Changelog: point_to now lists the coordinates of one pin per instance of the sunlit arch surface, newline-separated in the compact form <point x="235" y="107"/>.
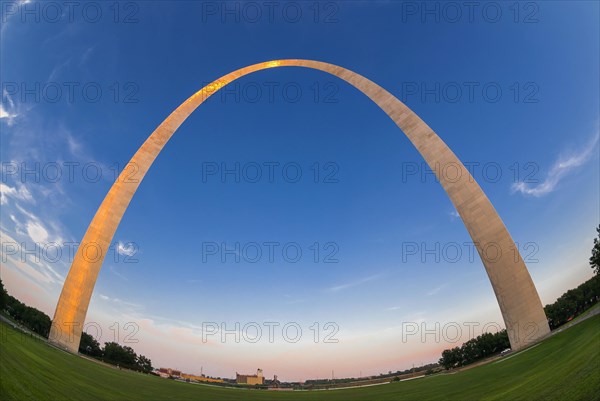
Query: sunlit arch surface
<point x="517" y="296"/>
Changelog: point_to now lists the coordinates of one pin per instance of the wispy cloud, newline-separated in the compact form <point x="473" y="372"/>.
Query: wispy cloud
<point x="435" y="290"/>
<point x="26" y="223"/>
<point x="561" y="168"/>
<point x="7" y="113"/>
<point x="120" y="302"/>
<point x="345" y="286"/>
<point x="116" y="273"/>
<point x="7" y="16"/>
<point x="18" y="193"/>
<point x="31" y="265"/>
<point x="453" y="215"/>
<point x="128" y="249"/>
<point x="86" y="55"/>
<point x="37" y="232"/>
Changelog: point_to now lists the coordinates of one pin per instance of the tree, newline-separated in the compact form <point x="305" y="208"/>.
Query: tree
<point x="126" y="357"/>
<point x="595" y="258"/>
<point x="3" y="296"/>
<point x="573" y="302"/>
<point x="119" y="355"/>
<point x="451" y="358"/>
<point x="39" y="322"/>
<point x="35" y="320"/>
<point x="89" y="346"/>
<point x="144" y="364"/>
<point x="476" y="348"/>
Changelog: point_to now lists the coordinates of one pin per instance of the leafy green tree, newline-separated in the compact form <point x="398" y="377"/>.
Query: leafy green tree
<point x="470" y="351"/>
<point x="35" y="320"/>
<point x="595" y="258"/>
<point x="451" y="358"/>
<point x="144" y="364"/>
<point x="40" y="323"/>
<point x="476" y="348"/>
<point x="573" y="302"/>
<point x="126" y="357"/>
<point x="119" y="355"/>
<point x="3" y="296"/>
<point x="89" y="346"/>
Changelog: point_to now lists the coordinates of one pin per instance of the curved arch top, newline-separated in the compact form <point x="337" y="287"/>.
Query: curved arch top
<point x="516" y="294"/>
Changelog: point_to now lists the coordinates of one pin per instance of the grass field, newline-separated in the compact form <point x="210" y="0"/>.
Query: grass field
<point x="564" y="367"/>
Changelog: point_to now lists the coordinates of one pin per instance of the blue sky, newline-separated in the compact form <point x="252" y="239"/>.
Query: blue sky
<point x="515" y="95"/>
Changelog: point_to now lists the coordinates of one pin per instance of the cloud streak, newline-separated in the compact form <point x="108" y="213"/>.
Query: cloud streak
<point x="345" y="286"/>
<point x="7" y="113"/>
<point x="18" y="193"/>
<point x="126" y="249"/>
<point x="437" y="289"/>
<point x="561" y="168"/>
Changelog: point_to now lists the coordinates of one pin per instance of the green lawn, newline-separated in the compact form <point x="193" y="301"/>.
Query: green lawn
<point x="564" y="367"/>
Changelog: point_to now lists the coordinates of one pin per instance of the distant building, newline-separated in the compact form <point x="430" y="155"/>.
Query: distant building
<point x="166" y="372"/>
<point x="178" y="374"/>
<point x="200" y="378"/>
<point x="251" y="380"/>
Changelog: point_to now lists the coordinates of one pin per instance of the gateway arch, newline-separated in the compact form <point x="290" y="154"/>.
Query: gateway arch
<point x="517" y="296"/>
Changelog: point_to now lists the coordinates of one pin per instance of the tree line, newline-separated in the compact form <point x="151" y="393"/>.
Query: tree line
<point x="573" y="302"/>
<point x="577" y="300"/>
<point x="31" y="318"/>
<point x="568" y="306"/>
<point x="114" y="353"/>
<point x="475" y="349"/>
<point x="40" y="323"/>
